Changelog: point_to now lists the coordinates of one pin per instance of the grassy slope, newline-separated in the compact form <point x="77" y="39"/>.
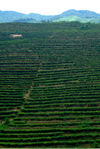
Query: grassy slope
<point x="76" y="18"/>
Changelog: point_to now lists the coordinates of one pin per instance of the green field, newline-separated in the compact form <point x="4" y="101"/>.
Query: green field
<point x="50" y="85"/>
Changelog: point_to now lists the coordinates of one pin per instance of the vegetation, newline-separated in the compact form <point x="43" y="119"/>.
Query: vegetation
<point x="50" y="85"/>
<point x="68" y="16"/>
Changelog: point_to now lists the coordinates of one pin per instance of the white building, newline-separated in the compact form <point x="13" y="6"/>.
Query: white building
<point x="16" y="35"/>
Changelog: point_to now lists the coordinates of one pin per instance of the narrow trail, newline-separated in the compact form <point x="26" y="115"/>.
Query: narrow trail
<point x="26" y="96"/>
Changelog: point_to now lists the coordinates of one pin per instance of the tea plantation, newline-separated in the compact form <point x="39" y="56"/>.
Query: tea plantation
<point x="50" y="85"/>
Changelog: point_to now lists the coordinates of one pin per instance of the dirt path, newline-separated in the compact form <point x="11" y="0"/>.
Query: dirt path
<point x="27" y="95"/>
<point x="6" y="122"/>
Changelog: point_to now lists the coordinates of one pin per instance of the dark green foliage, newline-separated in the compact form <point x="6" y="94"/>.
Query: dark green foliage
<point x="50" y="85"/>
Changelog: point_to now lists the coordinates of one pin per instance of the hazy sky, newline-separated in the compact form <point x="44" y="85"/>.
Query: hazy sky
<point x="48" y="7"/>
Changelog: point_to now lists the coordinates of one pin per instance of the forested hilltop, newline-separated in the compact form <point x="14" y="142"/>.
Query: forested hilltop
<point x="50" y="85"/>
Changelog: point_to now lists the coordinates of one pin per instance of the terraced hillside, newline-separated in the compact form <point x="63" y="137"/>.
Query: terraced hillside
<point x="50" y="85"/>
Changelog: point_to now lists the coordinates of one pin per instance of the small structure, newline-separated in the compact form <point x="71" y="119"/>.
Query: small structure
<point x="16" y="35"/>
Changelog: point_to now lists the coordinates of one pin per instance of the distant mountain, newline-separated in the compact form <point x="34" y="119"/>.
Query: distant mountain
<point x="10" y="16"/>
<point x="81" y="16"/>
<point x="70" y="15"/>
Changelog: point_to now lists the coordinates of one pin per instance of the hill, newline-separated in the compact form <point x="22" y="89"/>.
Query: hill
<point x="81" y="16"/>
<point x="10" y="16"/>
<point x="70" y="15"/>
<point x="50" y="85"/>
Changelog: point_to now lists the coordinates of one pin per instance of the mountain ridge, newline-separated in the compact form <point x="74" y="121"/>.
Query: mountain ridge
<point x="69" y="15"/>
